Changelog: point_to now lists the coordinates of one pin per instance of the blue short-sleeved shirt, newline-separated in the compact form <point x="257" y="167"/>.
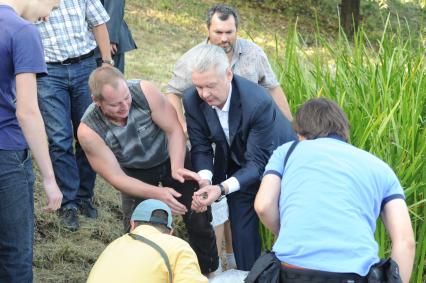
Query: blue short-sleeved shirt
<point x="21" y="51"/>
<point x="331" y="196"/>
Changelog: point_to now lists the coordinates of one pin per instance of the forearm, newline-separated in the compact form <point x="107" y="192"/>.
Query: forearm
<point x="32" y="126"/>
<point x="267" y="209"/>
<point x="270" y="218"/>
<point x="281" y="100"/>
<point x="177" y="149"/>
<point x="176" y="101"/>
<point x="100" y="33"/>
<point x="403" y="254"/>
<point x="397" y="221"/>
<point x="31" y="123"/>
<point x="132" y="186"/>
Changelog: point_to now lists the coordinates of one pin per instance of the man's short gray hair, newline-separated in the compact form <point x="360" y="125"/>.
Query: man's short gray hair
<point x="207" y="57"/>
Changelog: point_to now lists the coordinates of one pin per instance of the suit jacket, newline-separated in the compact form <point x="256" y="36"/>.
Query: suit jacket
<point x="118" y="30"/>
<point x="256" y="128"/>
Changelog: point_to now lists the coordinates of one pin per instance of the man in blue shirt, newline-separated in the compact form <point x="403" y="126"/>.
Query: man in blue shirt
<point x="21" y="126"/>
<point x="323" y="203"/>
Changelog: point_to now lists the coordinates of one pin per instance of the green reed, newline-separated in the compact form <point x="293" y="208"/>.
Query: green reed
<point x="382" y="88"/>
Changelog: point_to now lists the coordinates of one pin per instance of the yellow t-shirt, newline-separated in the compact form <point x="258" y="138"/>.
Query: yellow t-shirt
<point x="127" y="260"/>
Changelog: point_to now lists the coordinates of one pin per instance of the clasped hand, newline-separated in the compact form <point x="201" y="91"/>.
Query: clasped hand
<point x="205" y="196"/>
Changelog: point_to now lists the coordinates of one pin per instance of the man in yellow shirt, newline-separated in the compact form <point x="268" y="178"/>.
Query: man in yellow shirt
<point x="148" y="252"/>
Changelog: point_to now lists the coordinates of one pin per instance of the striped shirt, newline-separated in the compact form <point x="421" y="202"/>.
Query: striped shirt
<point x="67" y="33"/>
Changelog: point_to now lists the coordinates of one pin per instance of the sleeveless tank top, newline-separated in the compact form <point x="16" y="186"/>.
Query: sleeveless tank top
<point x="139" y="144"/>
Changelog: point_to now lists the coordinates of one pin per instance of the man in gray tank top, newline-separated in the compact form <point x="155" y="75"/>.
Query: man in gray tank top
<point x="132" y="138"/>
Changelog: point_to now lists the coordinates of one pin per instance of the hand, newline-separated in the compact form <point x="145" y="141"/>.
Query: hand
<point x="53" y="194"/>
<point x="113" y="48"/>
<point x="203" y="183"/>
<point x="183" y="174"/>
<point x="204" y="197"/>
<point x="168" y="196"/>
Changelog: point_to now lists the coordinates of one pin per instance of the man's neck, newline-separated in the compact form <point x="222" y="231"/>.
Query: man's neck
<point x="15" y="5"/>
<point x="230" y="55"/>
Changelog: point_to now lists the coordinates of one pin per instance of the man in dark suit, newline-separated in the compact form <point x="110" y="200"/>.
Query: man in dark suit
<point x="245" y="125"/>
<point x="119" y="33"/>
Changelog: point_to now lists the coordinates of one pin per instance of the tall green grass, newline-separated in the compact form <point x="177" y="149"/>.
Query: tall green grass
<point x="382" y="88"/>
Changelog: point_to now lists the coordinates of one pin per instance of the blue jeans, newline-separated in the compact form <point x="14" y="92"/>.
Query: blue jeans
<point x="16" y="216"/>
<point x="63" y="97"/>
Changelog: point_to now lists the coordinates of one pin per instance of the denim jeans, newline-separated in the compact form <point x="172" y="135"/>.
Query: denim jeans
<point x="200" y="232"/>
<point x="16" y="216"/>
<point x="63" y="97"/>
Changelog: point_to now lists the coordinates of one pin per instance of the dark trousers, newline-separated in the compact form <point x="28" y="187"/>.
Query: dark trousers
<point x="244" y="223"/>
<point x="200" y="232"/>
<point x="245" y="229"/>
<point x="292" y="275"/>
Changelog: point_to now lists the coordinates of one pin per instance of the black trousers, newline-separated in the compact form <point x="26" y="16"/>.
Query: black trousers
<point x="200" y="232"/>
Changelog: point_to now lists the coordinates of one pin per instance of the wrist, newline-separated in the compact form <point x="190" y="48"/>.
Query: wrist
<point x="222" y="192"/>
<point x="108" y="61"/>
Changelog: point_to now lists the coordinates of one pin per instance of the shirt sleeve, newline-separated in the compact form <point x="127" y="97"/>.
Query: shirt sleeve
<point x="276" y="162"/>
<point x="95" y="13"/>
<point x="181" y="77"/>
<point x="393" y="189"/>
<point x="267" y="76"/>
<point x="28" y="54"/>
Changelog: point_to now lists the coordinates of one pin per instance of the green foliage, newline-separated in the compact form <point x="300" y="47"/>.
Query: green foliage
<point x="382" y="90"/>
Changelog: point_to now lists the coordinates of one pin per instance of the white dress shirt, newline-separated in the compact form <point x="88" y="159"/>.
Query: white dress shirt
<point x="223" y="115"/>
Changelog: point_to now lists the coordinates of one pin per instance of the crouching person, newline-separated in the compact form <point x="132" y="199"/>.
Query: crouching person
<point x="149" y="253"/>
<point x="322" y="199"/>
<point x="132" y="138"/>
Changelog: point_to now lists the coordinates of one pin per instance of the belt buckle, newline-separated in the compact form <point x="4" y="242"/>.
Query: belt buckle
<point x="65" y="64"/>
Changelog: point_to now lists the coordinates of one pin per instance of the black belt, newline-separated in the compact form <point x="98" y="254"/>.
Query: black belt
<point x="74" y="60"/>
<point x="293" y="275"/>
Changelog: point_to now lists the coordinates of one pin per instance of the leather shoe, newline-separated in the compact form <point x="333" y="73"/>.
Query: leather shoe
<point x="87" y="209"/>
<point x="69" y="218"/>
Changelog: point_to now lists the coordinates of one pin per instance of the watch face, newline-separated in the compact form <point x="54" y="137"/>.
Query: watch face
<point x="111" y="62"/>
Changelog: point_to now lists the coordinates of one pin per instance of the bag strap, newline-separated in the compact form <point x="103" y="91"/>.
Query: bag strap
<point x="290" y="150"/>
<point x="158" y="249"/>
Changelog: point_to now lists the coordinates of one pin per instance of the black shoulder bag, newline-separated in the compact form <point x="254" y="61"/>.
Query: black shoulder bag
<point x="267" y="267"/>
<point x="158" y="249"/>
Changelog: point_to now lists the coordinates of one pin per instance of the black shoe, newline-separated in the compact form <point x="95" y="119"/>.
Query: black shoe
<point x="87" y="209"/>
<point x="69" y="218"/>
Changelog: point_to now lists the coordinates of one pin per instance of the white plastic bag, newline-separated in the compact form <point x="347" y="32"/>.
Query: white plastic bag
<point x="229" y="276"/>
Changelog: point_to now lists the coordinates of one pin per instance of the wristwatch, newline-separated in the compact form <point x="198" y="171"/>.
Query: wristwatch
<point x="108" y="61"/>
<point x="222" y="192"/>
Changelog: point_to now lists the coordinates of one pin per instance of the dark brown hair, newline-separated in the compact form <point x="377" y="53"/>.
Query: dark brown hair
<point x="223" y="12"/>
<point x="320" y="117"/>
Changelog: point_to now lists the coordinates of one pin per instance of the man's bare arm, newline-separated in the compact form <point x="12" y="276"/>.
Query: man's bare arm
<point x="164" y="115"/>
<point x="281" y="100"/>
<point x="32" y="126"/>
<point x="100" y="33"/>
<point x="104" y="162"/>
<point x="176" y="101"/>
<point x="266" y="202"/>
<point x="397" y="221"/>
